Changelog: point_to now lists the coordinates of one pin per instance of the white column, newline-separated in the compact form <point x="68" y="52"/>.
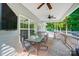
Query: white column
<point x="66" y="28"/>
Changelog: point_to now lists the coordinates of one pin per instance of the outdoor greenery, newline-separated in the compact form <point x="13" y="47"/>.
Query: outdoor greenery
<point x="24" y="25"/>
<point x="70" y="22"/>
<point x="32" y="26"/>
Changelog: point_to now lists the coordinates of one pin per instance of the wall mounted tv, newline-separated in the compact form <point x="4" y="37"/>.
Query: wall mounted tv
<point x="9" y="18"/>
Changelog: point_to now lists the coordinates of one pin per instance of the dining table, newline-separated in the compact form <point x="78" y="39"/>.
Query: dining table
<point x="36" y="40"/>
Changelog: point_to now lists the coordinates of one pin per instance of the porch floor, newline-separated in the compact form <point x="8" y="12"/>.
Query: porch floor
<point x="55" y="48"/>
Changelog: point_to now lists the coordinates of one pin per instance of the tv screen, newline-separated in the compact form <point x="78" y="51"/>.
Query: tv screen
<point x="9" y="18"/>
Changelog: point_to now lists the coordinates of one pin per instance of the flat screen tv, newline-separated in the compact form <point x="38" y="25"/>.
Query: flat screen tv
<point x="9" y="18"/>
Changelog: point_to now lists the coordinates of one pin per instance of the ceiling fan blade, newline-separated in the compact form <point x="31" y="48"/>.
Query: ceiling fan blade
<point x="40" y="5"/>
<point x="49" y="6"/>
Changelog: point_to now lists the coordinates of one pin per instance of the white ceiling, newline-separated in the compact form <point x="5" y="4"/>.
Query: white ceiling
<point x="59" y="9"/>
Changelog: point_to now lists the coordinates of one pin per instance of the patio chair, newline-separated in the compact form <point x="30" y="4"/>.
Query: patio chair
<point x="44" y="42"/>
<point x="45" y="38"/>
<point x="27" y="46"/>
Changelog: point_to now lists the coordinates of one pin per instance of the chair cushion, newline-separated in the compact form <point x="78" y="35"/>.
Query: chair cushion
<point x="27" y="44"/>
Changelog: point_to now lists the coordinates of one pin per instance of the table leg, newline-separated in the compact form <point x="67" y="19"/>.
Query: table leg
<point x="38" y="47"/>
<point x="36" y="51"/>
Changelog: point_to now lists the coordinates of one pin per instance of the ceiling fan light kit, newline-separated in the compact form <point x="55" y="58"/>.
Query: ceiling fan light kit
<point x="51" y="17"/>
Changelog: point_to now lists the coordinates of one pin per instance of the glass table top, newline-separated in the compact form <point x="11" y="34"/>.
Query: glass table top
<point x="36" y="38"/>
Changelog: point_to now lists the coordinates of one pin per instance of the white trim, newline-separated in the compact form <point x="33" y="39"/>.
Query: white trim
<point x="28" y="22"/>
<point x="18" y="26"/>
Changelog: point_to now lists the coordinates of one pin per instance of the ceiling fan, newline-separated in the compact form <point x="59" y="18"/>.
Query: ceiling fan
<point x="51" y="17"/>
<point x="48" y="5"/>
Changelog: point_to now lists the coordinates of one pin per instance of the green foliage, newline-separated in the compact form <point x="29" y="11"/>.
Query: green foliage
<point x="32" y="26"/>
<point x="72" y="22"/>
<point x="23" y="25"/>
<point x="50" y="26"/>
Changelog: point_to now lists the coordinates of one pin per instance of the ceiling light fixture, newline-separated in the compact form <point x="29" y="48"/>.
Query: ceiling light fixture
<point x="51" y="16"/>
